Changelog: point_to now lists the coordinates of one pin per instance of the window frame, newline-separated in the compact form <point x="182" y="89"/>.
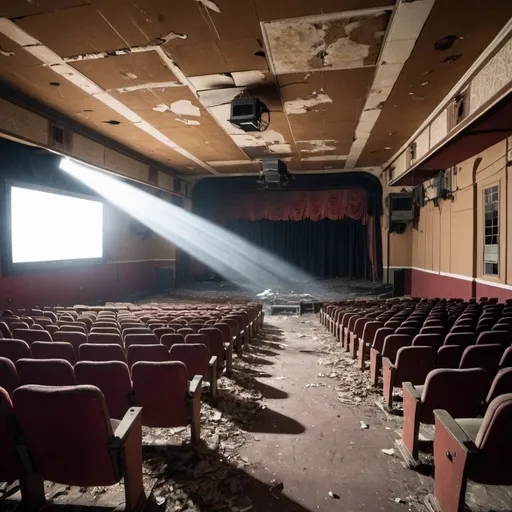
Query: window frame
<point x="492" y="207"/>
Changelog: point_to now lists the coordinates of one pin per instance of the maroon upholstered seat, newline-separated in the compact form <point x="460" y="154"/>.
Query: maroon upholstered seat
<point x="428" y="340"/>
<point x="483" y="450"/>
<point x="71" y="441"/>
<point x="501" y="385"/>
<point x="101" y="352"/>
<point x="172" y="339"/>
<point x="217" y="347"/>
<point x="9" y="379"/>
<point x="5" y="331"/>
<point x="14" y="349"/>
<point x="482" y="356"/>
<point x="160" y="331"/>
<point x="506" y="358"/>
<point x="31" y="335"/>
<point x="463" y="339"/>
<point x="105" y="330"/>
<point x="53" y="350"/>
<point x="186" y="330"/>
<point x="45" y="372"/>
<point x="113" y="380"/>
<point x="366" y="340"/>
<point x="136" y="330"/>
<point x="376" y="352"/>
<point x="11" y="467"/>
<point x="459" y="391"/>
<point x="75" y="338"/>
<point x="141" y="339"/>
<point x="109" y="339"/>
<point x="449" y="356"/>
<point x="155" y="353"/>
<point x="494" y="337"/>
<point x="74" y="327"/>
<point x="177" y="403"/>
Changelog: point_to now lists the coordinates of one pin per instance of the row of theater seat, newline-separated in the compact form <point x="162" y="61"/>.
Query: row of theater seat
<point x="453" y="360"/>
<point x="80" y="423"/>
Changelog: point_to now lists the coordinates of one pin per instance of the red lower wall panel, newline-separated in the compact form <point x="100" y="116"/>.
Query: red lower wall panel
<point x="113" y="281"/>
<point x="486" y="290"/>
<point x="425" y="284"/>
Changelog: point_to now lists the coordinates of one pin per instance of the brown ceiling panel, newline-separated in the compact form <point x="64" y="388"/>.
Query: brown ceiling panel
<point x="281" y="9"/>
<point x="430" y="73"/>
<point x="143" y="21"/>
<point x="236" y="19"/>
<point x="73" y="31"/>
<point x="218" y="57"/>
<point x="126" y="70"/>
<point x="19" y="8"/>
<point x="318" y="165"/>
<point x="14" y="56"/>
<point x="238" y="168"/>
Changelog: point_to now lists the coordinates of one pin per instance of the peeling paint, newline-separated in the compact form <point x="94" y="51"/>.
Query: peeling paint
<point x="248" y="78"/>
<point x="346" y="53"/>
<point x="169" y="37"/>
<point x="130" y="76"/>
<point x="188" y="122"/>
<point x="185" y="108"/>
<point x="210" y="5"/>
<point x="318" y="146"/>
<point x="283" y="149"/>
<point x="271" y="137"/>
<point x="154" y="85"/>
<point x="5" y="53"/>
<point x="301" y="106"/>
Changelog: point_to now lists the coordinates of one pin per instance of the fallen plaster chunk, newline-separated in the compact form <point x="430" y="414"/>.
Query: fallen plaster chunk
<point x="280" y="148"/>
<point x="169" y="37"/>
<point x="388" y="451"/>
<point x="301" y="106"/>
<point x="210" y="5"/>
<point x="364" y="425"/>
<point x="180" y="107"/>
<point x="188" y="122"/>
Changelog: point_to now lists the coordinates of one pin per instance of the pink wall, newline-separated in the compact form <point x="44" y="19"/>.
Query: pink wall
<point x="113" y="281"/>
<point x="485" y="290"/>
<point x="426" y="284"/>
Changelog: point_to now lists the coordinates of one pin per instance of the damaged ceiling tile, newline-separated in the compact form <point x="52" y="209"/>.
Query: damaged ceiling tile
<point x="317" y="146"/>
<point x="206" y="82"/>
<point x="188" y="122"/>
<point x="180" y="107"/>
<point x="328" y="42"/>
<point x="249" y="78"/>
<point x="301" y="106"/>
<point x="210" y="5"/>
<point x="216" y="97"/>
<point x="281" y="149"/>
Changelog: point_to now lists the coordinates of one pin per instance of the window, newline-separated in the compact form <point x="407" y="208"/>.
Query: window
<point x="460" y="108"/>
<point x="491" y="231"/>
<point x="411" y="154"/>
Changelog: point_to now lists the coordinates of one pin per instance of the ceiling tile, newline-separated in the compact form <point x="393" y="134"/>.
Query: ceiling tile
<point x="17" y="9"/>
<point x="126" y="70"/>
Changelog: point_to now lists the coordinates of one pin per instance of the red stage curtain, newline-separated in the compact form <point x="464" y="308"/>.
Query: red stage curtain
<point x="348" y="203"/>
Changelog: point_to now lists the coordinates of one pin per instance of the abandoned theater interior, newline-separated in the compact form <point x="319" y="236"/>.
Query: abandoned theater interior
<point x="254" y="255"/>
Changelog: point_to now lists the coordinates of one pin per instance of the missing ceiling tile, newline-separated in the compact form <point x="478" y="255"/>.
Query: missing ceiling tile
<point x="113" y="122"/>
<point x="445" y="43"/>
<point x="451" y="58"/>
<point x="55" y="84"/>
<point x="260" y="53"/>
<point x="301" y="106"/>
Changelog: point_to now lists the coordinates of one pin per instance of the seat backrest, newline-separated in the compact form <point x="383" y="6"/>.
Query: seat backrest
<point x="380" y="336"/>
<point x="74" y="327"/>
<point x="233" y="324"/>
<point x="5" y="331"/>
<point x="155" y="353"/>
<point x="449" y="356"/>
<point x="482" y="356"/>
<point x="494" y="337"/>
<point x="68" y="432"/>
<point x="194" y="356"/>
<point x="136" y="330"/>
<point x="172" y="339"/>
<point x="463" y="339"/>
<point x="370" y="328"/>
<point x="227" y="333"/>
<point x="185" y="331"/>
<point x="31" y="335"/>
<point x="428" y="340"/>
<point x="19" y="325"/>
<point x="75" y="338"/>
<point x="393" y="343"/>
<point x="113" y="380"/>
<point x="506" y="358"/>
<point x="11" y="467"/>
<point x="216" y="342"/>
<point x="9" y="379"/>
<point x="413" y="364"/>
<point x="434" y="329"/>
<point x="160" y="331"/>
<point x="53" y="350"/>
<point x="460" y="392"/>
<point x="45" y="372"/>
<point x="101" y="338"/>
<point x="141" y="339"/>
<point x="198" y="338"/>
<point x="112" y="324"/>
<point x="161" y="389"/>
<point x="14" y="349"/>
<point x="106" y="330"/>
<point x="501" y="385"/>
<point x="495" y="444"/>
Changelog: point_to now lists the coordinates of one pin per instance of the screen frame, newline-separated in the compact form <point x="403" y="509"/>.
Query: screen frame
<point x="10" y="268"/>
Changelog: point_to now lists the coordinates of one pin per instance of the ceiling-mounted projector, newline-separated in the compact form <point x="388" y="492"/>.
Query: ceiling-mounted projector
<point x="247" y="114"/>
<point x="274" y="172"/>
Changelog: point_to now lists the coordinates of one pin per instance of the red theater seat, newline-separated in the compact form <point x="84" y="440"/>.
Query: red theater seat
<point x="154" y="353"/>
<point x="140" y="339"/>
<point x="5" y="332"/>
<point x="14" y="349"/>
<point x="101" y="352"/>
<point x="113" y="380"/>
<point x="53" y="350"/>
<point x="9" y="379"/>
<point x="31" y="335"/>
<point x="223" y="351"/>
<point x="46" y="372"/>
<point x="72" y="441"/>
<point x="109" y="339"/>
<point x="75" y="338"/>
<point x="177" y="402"/>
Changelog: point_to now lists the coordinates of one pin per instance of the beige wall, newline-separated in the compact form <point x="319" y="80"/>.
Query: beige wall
<point x="444" y="239"/>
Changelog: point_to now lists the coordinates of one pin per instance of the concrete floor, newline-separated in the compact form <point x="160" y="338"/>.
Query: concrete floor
<point x="312" y="443"/>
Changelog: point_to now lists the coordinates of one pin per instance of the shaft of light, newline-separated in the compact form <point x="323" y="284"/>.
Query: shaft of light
<point x="228" y="254"/>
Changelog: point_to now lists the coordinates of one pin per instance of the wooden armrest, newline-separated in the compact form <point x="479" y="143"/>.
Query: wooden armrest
<point x="124" y="428"/>
<point x="386" y="362"/>
<point x="213" y="361"/>
<point x="408" y="387"/>
<point x="455" y="431"/>
<point x="194" y="386"/>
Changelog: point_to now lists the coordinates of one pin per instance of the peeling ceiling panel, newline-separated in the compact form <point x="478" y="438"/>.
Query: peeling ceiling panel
<point x="73" y="31"/>
<point x="430" y="73"/>
<point x="13" y="55"/>
<point x="277" y="10"/>
<point x="330" y="42"/>
<point x="217" y="81"/>
<point x="295" y="164"/>
<point x="133" y="69"/>
<point x="217" y="97"/>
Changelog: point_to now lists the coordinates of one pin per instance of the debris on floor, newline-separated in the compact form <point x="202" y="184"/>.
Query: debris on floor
<point x="388" y="451"/>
